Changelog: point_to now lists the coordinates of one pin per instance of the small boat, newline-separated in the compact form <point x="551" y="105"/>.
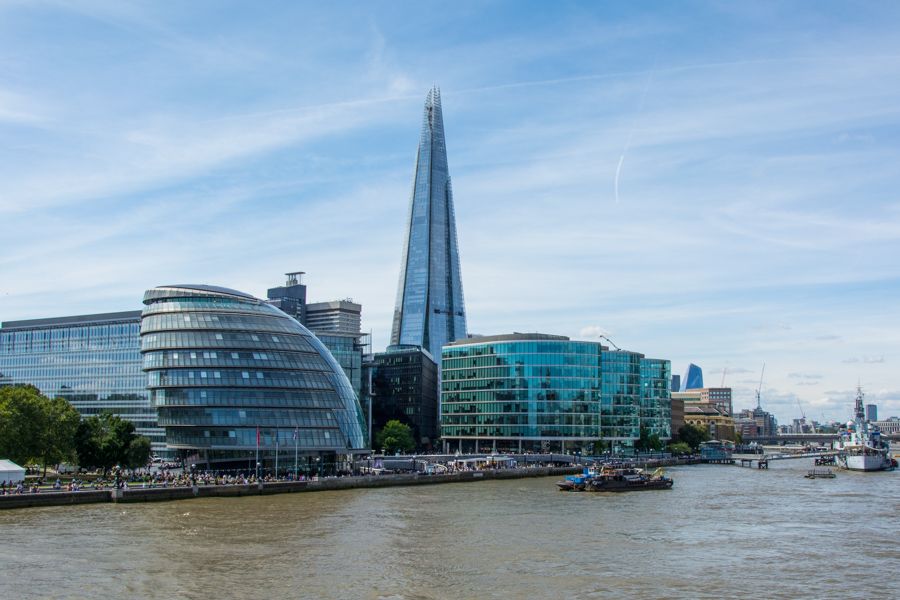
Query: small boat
<point x="615" y="478"/>
<point x="820" y="474"/>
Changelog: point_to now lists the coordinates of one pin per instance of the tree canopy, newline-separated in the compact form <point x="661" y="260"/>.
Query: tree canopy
<point x="106" y="440"/>
<point x="693" y="436"/>
<point x="34" y="428"/>
<point x="648" y="442"/>
<point x="395" y="436"/>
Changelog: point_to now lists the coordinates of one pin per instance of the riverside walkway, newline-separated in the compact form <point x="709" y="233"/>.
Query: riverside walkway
<point x="53" y="498"/>
<point x="261" y="488"/>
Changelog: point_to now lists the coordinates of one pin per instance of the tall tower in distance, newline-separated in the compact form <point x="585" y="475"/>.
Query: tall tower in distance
<point x="430" y="311"/>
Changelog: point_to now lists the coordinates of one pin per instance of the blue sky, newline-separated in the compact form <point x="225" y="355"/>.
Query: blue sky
<point x="755" y="217"/>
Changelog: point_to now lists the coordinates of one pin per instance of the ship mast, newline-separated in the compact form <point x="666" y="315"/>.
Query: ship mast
<point x="860" y="410"/>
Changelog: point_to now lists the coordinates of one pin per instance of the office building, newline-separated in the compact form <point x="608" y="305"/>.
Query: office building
<point x="693" y="378"/>
<point x="756" y="422"/>
<point x="404" y="383"/>
<point x="871" y="412"/>
<point x="290" y="298"/>
<point x="337" y="315"/>
<point x="718" y="397"/>
<point x="93" y="361"/>
<point x="676" y="383"/>
<point x="230" y="373"/>
<point x="429" y="311"/>
<point x="537" y="392"/>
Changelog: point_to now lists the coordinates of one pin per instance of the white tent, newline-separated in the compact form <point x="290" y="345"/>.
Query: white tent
<point x="10" y="472"/>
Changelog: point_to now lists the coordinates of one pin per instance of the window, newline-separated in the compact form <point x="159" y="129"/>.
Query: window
<point x="245" y="375"/>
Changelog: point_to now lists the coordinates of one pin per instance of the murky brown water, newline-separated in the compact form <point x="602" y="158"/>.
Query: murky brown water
<point x="721" y="532"/>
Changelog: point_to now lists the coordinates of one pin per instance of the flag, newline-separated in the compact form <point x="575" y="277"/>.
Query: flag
<point x="257" y="436"/>
<point x="296" y="431"/>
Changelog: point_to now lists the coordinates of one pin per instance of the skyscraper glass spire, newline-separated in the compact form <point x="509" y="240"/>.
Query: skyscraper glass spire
<point x="430" y="311"/>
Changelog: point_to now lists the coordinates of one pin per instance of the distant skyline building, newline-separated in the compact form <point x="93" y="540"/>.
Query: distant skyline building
<point x="871" y="412"/>
<point x="693" y="378"/>
<point x="344" y="316"/>
<point x="93" y="361"/>
<point x="676" y="383"/>
<point x="429" y="311"/>
<point x="230" y="373"/>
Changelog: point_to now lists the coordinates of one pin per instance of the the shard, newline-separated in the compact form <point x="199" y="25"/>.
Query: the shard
<point x="430" y="311"/>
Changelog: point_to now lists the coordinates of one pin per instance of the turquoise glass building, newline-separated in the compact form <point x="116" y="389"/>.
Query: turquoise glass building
<point x="229" y="373"/>
<point x="538" y="392"/>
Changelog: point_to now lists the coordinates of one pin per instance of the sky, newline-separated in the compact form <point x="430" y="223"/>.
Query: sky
<point x="707" y="182"/>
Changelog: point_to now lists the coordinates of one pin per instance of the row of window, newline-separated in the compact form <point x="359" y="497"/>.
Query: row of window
<point x="244" y="417"/>
<point x="231" y="322"/>
<point x="289" y="379"/>
<point x="592" y="432"/>
<point x="218" y="358"/>
<point x="246" y="398"/>
<point x="246" y="438"/>
<point x="226" y="339"/>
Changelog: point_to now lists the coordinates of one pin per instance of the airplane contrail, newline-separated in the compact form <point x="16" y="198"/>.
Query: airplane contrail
<point x="637" y="115"/>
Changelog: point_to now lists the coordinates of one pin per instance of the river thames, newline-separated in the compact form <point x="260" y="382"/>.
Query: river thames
<point x="722" y="531"/>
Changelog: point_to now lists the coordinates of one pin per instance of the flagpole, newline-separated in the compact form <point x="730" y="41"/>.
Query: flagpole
<point x="276" y="453"/>
<point x="296" y="441"/>
<point x="257" y="452"/>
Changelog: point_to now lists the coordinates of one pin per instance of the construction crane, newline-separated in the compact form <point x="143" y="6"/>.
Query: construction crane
<point x="800" y="406"/>
<point x="611" y="343"/>
<point x="759" y="389"/>
<point x="724" y="370"/>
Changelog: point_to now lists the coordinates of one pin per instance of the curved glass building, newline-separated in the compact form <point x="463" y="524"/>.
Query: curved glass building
<point x="543" y="392"/>
<point x="229" y="373"/>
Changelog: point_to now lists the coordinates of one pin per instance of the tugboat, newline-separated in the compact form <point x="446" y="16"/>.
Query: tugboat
<point x="615" y="478"/>
<point x="860" y="447"/>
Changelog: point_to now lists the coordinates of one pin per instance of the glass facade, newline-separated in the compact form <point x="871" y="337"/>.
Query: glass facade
<point x="93" y="361"/>
<point x="693" y="378"/>
<point x="405" y="388"/>
<point x="656" y="406"/>
<point x="429" y="310"/>
<point x="228" y="372"/>
<point x="534" y="390"/>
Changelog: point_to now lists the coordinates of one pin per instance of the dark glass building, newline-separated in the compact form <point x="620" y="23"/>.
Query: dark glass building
<point x="430" y="310"/>
<point x="93" y="361"/>
<point x="544" y="392"/>
<point x="404" y="384"/>
<point x="229" y="373"/>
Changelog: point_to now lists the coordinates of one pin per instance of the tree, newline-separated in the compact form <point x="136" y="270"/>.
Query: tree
<point x="693" y="436"/>
<point x="58" y="443"/>
<point x="103" y="441"/>
<point x="138" y="453"/>
<point x="679" y="448"/>
<point x="648" y="442"/>
<point x="395" y="436"/>
<point x="22" y="421"/>
<point x="600" y="446"/>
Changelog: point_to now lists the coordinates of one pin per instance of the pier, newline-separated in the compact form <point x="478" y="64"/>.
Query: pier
<point x="762" y="460"/>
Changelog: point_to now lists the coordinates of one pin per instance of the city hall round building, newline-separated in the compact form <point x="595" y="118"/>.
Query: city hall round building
<point x="229" y="373"/>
